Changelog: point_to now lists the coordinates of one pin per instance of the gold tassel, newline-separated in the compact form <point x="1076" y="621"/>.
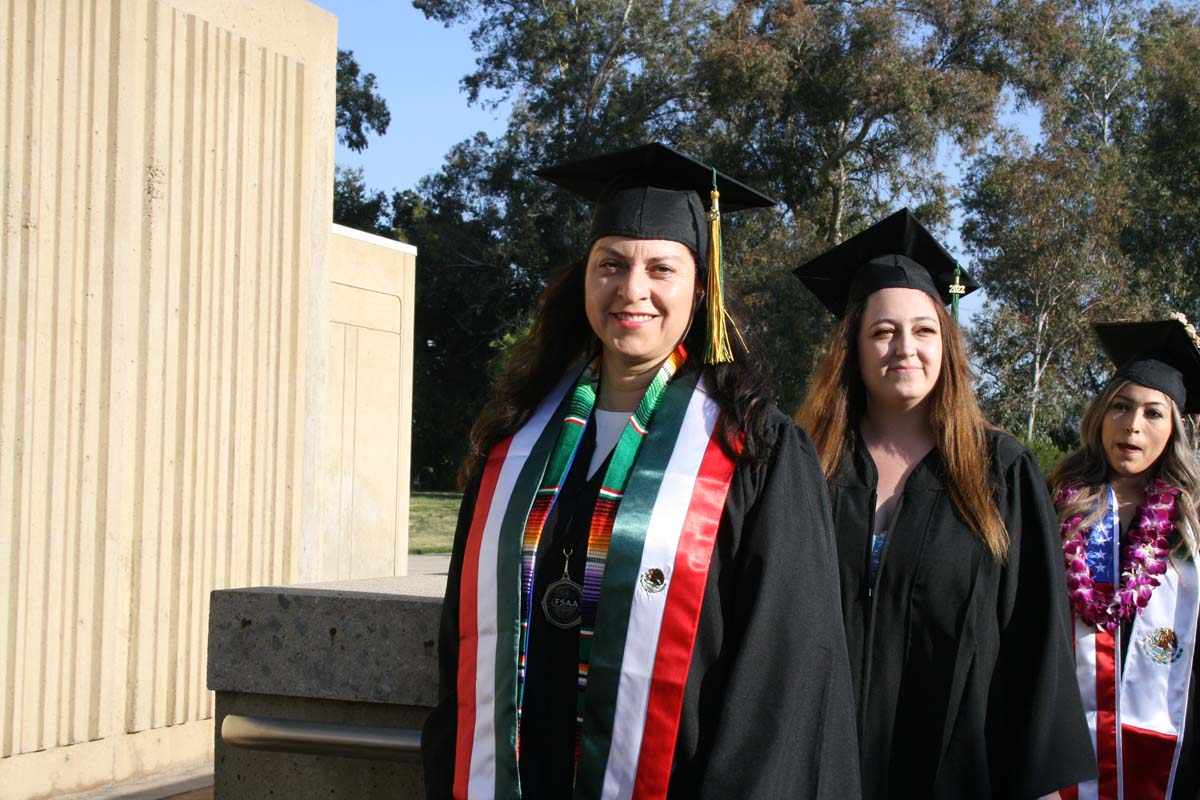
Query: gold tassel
<point x="719" y="351"/>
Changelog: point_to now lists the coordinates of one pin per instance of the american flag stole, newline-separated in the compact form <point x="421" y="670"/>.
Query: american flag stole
<point x="1135" y="701"/>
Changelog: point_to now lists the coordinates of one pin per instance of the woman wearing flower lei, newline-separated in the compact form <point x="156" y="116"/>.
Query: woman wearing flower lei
<point x="1126" y="503"/>
<point x="950" y="566"/>
<point x="642" y="596"/>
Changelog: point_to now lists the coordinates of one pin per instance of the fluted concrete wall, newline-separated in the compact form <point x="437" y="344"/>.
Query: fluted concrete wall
<point x="164" y="197"/>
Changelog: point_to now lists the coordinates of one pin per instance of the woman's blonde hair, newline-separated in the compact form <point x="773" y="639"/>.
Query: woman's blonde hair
<point x="1088" y="467"/>
<point x="836" y="401"/>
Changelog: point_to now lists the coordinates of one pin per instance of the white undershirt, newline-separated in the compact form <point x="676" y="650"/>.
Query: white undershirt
<point x="609" y="425"/>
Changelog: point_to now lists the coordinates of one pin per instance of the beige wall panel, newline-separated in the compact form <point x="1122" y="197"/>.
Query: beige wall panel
<point x="378" y="526"/>
<point x="323" y="560"/>
<point x="165" y="174"/>
<point x="369" y="409"/>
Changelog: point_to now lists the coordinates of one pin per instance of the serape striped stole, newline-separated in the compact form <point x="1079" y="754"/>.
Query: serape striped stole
<point x="1135" y="702"/>
<point x="644" y="630"/>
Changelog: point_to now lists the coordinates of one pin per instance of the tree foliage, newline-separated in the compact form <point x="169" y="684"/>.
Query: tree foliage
<point x="1096" y="104"/>
<point x="470" y="294"/>
<point x="1164" y="235"/>
<point x="360" y="108"/>
<point x="838" y="109"/>
<point x="1044" y="227"/>
<point x="356" y="206"/>
<point x="1094" y="223"/>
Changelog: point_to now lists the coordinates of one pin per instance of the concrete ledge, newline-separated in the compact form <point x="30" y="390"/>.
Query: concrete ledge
<point x="372" y="640"/>
<point x="360" y="652"/>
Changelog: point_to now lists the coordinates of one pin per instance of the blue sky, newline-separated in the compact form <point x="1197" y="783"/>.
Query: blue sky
<point x="418" y="64"/>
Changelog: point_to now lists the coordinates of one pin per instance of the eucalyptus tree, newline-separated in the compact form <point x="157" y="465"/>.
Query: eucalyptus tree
<point x="1043" y="225"/>
<point x="1163" y="236"/>
<point x="843" y="104"/>
<point x="1087" y="225"/>
<point x="838" y="110"/>
<point x="1096" y="102"/>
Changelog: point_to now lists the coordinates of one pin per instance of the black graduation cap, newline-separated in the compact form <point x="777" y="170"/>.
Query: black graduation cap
<point x="897" y="251"/>
<point x="657" y="192"/>
<point x="652" y="192"/>
<point x="1160" y="354"/>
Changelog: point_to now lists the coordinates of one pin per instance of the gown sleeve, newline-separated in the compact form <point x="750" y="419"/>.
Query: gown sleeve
<point x="1037" y="733"/>
<point x="784" y="725"/>
<point x="441" y="726"/>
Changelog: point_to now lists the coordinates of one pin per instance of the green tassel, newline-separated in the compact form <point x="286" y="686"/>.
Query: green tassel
<point x="956" y="291"/>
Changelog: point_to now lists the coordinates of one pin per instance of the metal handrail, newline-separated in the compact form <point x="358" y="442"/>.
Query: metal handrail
<point x="321" y="738"/>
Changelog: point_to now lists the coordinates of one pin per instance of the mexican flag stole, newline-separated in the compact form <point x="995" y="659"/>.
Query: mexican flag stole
<point x="1136" y="701"/>
<point x="665" y="528"/>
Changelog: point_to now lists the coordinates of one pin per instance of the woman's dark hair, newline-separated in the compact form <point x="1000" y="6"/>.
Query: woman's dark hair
<point x="560" y="337"/>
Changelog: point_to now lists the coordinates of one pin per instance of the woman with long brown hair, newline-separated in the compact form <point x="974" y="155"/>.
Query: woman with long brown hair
<point x="947" y="549"/>
<point x="1126" y="504"/>
<point x="623" y="614"/>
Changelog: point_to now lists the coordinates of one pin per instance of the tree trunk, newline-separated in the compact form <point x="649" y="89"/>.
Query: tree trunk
<point x="1032" y="410"/>
<point x="1038" y="369"/>
<point x="835" y="216"/>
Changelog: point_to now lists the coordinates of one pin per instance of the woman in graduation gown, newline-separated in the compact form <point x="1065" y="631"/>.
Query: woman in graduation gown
<point x="641" y="606"/>
<point x="948" y="551"/>
<point x="1126" y="502"/>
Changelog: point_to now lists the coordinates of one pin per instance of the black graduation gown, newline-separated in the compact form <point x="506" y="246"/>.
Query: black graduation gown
<point x="962" y="667"/>
<point x="767" y="708"/>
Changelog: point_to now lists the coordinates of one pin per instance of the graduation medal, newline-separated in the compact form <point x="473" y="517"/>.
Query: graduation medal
<point x="562" y="602"/>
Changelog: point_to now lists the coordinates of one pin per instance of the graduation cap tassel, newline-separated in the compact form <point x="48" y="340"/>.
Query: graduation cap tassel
<point x="719" y="351"/>
<point x="957" y="289"/>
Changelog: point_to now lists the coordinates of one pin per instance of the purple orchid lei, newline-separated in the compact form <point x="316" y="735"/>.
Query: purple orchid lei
<point x="1141" y="560"/>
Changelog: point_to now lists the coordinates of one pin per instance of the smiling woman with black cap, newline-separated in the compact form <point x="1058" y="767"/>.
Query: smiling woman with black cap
<point x="950" y="568"/>
<point x="642" y="596"/>
<point x="1127" y="506"/>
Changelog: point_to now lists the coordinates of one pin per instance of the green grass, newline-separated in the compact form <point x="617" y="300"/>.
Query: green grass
<point x="431" y="520"/>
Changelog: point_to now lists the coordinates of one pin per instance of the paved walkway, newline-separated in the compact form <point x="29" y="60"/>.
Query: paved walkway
<point x="195" y="783"/>
<point x="436" y="564"/>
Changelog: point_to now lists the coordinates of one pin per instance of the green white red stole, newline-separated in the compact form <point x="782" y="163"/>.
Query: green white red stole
<point x="661" y="529"/>
<point x="1135" y="702"/>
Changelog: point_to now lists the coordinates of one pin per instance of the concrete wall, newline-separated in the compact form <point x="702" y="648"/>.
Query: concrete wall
<point x="165" y="186"/>
<point x="367" y="436"/>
